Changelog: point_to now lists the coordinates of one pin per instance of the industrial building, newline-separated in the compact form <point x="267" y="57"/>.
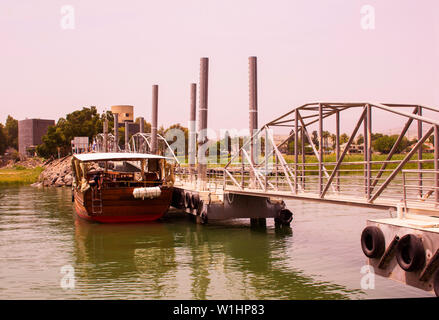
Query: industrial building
<point x="125" y="113"/>
<point x="30" y="133"/>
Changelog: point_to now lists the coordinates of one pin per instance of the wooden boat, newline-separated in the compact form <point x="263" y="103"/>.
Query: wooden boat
<point x="111" y="195"/>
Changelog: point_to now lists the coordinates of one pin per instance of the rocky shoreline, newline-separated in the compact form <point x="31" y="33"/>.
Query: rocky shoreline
<point x="57" y="173"/>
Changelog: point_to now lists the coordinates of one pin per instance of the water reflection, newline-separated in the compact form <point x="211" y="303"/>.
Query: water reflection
<point x="179" y="259"/>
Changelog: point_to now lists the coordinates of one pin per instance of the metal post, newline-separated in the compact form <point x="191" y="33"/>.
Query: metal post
<point x="116" y="132"/>
<point x="365" y="161"/>
<point x="436" y="164"/>
<point x="337" y="146"/>
<point x="277" y="174"/>
<point x="105" y="125"/>
<point x="192" y="131"/>
<point x="320" y="148"/>
<point x="253" y="123"/>
<point x="253" y="110"/>
<point x="127" y="129"/>
<point x="141" y="125"/>
<point x="302" y="134"/>
<point x="296" y="147"/>
<point x="202" y="138"/>
<point x="368" y="149"/>
<point x="266" y="151"/>
<point x="420" y="153"/>
<point x="242" y="170"/>
<point x="154" y="114"/>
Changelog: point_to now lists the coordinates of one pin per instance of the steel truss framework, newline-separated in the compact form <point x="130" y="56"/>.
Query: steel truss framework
<point x="325" y="179"/>
<point x="141" y="143"/>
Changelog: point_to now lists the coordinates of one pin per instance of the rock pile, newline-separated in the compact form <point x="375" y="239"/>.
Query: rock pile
<point x="28" y="163"/>
<point x="57" y="173"/>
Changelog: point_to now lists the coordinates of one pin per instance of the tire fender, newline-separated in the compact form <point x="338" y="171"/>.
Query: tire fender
<point x="410" y="253"/>
<point x="373" y="243"/>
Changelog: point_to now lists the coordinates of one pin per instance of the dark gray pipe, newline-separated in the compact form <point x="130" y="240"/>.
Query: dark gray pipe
<point x="253" y="102"/>
<point x="253" y="124"/>
<point x="154" y="120"/>
<point x="141" y="125"/>
<point x="202" y="138"/>
<point x="192" y="128"/>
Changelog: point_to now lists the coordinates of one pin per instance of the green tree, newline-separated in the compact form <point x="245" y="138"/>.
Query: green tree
<point x="385" y="144"/>
<point x="326" y="135"/>
<point x="315" y="138"/>
<point x="3" y="143"/>
<point x="344" y="138"/>
<point x="376" y="136"/>
<point x="80" y="123"/>
<point x="51" y="141"/>
<point x="11" y="131"/>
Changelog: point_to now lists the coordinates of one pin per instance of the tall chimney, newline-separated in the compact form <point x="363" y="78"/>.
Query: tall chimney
<point x="116" y="132"/>
<point x="192" y="127"/>
<point x="253" y="124"/>
<point x="253" y="103"/>
<point x="141" y="125"/>
<point x="155" y="96"/>
<point x="202" y="136"/>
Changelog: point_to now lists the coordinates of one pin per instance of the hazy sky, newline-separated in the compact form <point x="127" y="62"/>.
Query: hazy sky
<point x="308" y="50"/>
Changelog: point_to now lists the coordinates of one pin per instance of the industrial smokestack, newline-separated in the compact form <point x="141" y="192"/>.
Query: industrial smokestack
<point x="154" y="120"/>
<point x="141" y="125"/>
<point x="192" y="127"/>
<point x="202" y="136"/>
<point x="253" y="123"/>
<point x="253" y="103"/>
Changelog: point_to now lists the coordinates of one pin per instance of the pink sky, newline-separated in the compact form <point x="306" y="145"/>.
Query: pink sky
<point x="307" y="51"/>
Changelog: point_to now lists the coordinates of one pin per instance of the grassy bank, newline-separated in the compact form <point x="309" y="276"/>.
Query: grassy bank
<point x="355" y="166"/>
<point x="19" y="175"/>
<point x="311" y="159"/>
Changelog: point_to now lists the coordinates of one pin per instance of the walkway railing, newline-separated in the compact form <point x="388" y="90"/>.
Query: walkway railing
<point x="369" y="179"/>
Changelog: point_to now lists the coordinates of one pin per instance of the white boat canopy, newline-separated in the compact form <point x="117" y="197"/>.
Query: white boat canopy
<point x="116" y="156"/>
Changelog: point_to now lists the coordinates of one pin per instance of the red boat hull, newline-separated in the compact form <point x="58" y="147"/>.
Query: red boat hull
<point x="120" y="206"/>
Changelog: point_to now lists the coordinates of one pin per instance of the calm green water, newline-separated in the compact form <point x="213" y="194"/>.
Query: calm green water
<point x="318" y="257"/>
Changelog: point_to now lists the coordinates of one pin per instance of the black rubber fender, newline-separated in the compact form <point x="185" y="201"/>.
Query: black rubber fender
<point x="284" y="217"/>
<point x="187" y="200"/>
<point x="176" y="196"/>
<point x="181" y="199"/>
<point x="410" y="253"/>
<point x="373" y="242"/>
<point x="203" y="215"/>
<point x="436" y="284"/>
<point x="195" y="200"/>
<point x="199" y="208"/>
